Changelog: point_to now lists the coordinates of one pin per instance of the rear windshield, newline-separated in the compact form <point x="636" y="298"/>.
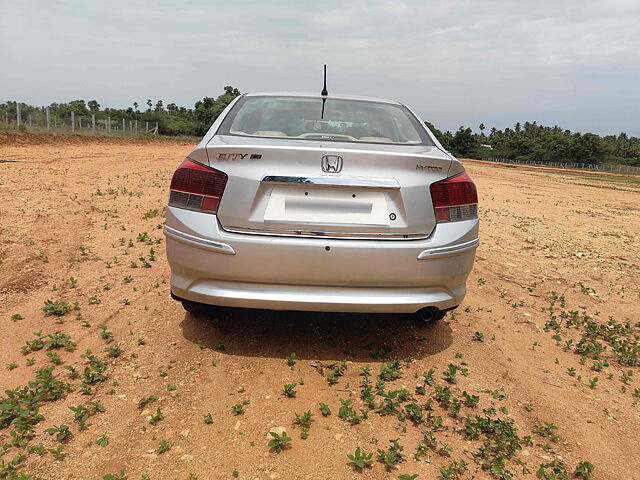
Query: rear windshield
<point x="308" y="118"/>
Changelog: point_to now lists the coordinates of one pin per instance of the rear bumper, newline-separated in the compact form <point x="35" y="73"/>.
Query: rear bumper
<point x="321" y="299"/>
<point x="212" y="266"/>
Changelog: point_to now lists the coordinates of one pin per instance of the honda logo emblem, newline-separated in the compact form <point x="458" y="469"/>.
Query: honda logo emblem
<point x="331" y="163"/>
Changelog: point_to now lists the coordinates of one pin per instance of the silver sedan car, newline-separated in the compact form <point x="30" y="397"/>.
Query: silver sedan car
<point x="321" y="203"/>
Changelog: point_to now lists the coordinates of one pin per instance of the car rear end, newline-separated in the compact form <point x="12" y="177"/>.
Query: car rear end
<point x="332" y="215"/>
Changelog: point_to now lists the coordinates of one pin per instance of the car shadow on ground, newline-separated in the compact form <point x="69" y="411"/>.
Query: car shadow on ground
<point x="311" y="335"/>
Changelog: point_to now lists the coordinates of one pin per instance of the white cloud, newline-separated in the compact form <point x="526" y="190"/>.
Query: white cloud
<point x="573" y="62"/>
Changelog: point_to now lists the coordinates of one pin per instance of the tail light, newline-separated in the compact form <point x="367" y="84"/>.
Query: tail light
<point x="197" y="187"/>
<point x="455" y="198"/>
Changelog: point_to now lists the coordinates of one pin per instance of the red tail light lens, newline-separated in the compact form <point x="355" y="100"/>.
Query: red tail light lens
<point x="197" y="187"/>
<point x="455" y="198"/>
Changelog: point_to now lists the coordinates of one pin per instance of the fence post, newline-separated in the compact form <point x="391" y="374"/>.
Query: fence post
<point x="73" y="122"/>
<point x="93" y="123"/>
<point x="123" y="126"/>
<point x="130" y="123"/>
<point x="17" y="114"/>
<point x="108" y="124"/>
<point x="48" y="119"/>
<point x="136" y="122"/>
<point x="29" y="120"/>
<point x="79" y="122"/>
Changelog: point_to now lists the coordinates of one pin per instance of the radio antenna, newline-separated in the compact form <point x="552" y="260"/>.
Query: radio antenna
<point x="324" y="92"/>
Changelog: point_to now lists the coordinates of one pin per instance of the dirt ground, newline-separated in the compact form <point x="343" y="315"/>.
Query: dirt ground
<point x="73" y="218"/>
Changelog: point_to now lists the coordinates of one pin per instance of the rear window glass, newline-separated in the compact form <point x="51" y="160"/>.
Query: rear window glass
<point x="337" y="120"/>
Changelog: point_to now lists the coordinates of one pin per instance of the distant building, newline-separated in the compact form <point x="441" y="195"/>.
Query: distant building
<point x="486" y="146"/>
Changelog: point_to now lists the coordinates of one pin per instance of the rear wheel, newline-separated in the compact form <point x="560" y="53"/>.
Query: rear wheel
<point x="194" y="307"/>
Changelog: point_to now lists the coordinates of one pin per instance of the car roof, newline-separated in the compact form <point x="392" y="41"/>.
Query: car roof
<point x="338" y="96"/>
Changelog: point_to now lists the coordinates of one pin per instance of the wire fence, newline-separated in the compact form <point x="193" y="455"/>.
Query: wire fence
<point x="594" y="167"/>
<point x="45" y="120"/>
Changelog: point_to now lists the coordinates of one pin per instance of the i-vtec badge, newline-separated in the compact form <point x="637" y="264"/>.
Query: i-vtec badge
<point x="331" y="163"/>
<point x="238" y="156"/>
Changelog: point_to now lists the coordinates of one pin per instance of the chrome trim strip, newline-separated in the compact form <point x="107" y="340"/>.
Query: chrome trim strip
<point x="198" y="242"/>
<point x="449" y="251"/>
<point x="333" y="182"/>
<point x="311" y="233"/>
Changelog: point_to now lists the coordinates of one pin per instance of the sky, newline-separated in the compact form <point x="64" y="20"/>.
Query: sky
<point x="572" y="63"/>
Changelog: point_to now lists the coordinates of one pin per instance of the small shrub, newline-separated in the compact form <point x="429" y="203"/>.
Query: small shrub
<point x="163" y="447"/>
<point x="304" y="420"/>
<point x="360" y="459"/>
<point x="56" y="308"/>
<point x="156" y="417"/>
<point x="324" y="409"/>
<point x="392" y="456"/>
<point x="61" y="432"/>
<point x="289" y="390"/>
<point x="291" y="359"/>
<point x="584" y="470"/>
<point x="279" y="442"/>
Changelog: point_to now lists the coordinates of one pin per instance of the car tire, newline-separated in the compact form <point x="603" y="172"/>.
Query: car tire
<point x="194" y="308"/>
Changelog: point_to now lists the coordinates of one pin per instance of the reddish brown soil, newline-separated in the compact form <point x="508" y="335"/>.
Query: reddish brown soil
<point x="542" y="232"/>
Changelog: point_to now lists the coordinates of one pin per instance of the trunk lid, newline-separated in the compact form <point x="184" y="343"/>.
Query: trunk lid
<point x="326" y="189"/>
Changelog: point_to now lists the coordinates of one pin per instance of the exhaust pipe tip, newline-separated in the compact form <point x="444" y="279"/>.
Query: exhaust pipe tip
<point x="426" y="314"/>
<point x="429" y="314"/>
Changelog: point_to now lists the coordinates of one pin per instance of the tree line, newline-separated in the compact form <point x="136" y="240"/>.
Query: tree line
<point x="531" y="141"/>
<point x="526" y="141"/>
<point x="171" y="118"/>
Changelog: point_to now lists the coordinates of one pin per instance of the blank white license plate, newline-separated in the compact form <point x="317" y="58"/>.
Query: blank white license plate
<point x="317" y="205"/>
